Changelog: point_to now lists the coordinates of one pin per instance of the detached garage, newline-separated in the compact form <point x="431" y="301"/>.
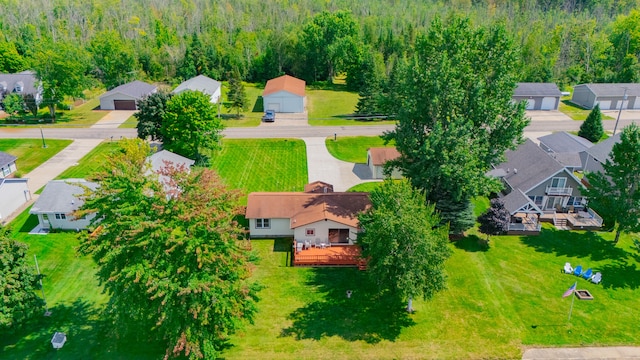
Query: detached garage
<point x="125" y="97"/>
<point x="609" y="96"/>
<point x="284" y="94"/>
<point x="538" y="96"/>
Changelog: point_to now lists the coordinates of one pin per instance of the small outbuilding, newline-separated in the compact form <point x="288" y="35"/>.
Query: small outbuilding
<point x="608" y="96"/>
<point x="14" y="193"/>
<point x="285" y="94"/>
<point x="126" y="97"/>
<point x="204" y="84"/>
<point x="377" y="157"/>
<point x="59" y="199"/>
<point x="538" y="96"/>
<point x="7" y="164"/>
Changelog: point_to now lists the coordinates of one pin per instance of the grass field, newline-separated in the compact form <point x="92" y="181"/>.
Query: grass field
<point x="30" y="152"/>
<point x="353" y="148"/>
<point x="262" y="164"/>
<point x="94" y="161"/>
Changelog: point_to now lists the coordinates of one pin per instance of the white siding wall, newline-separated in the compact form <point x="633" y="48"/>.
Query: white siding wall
<point x="284" y="102"/>
<point x="322" y="230"/>
<point x="106" y="102"/>
<point x="13" y="194"/>
<point x="279" y="228"/>
<point x="67" y="224"/>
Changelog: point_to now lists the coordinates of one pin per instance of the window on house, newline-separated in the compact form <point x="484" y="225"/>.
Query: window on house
<point x="5" y="171"/>
<point x="558" y="182"/>
<point x="262" y="224"/>
<point x="537" y="200"/>
<point x="575" y="201"/>
<point x="61" y="216"/>
<point x="310" y="232"/>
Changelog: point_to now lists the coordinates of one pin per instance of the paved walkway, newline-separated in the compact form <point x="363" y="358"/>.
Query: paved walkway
<point x="113" y="119"/>
<point x="323" y="166"/>
<point x="583" y="353"/>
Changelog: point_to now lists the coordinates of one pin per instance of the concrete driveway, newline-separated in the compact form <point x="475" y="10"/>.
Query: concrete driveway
<point x="545" y="115"/>
<point x="288" y="119"/>
<point x="113" y="119"/>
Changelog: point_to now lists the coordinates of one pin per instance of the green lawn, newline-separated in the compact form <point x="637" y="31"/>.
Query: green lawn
<point x="498" y="301"/>
<point x="353" y="148"/>
<point x="365" y="187"/>
<point x="334" y="106"/>
<point x="30" y="152"/>
<point x="82" y="115"/>
<point x="94" y="161"/>
<point x="130" y="123"/>
<point x="252" y="116"/>
<point x="576" y="112"/>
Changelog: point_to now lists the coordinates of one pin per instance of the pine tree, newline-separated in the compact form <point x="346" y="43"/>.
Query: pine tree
<point x="591" y="129"/>
<point x="237" y="96"/>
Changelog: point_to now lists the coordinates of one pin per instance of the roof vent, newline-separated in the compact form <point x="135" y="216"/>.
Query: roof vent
<point x="515" y="171"/>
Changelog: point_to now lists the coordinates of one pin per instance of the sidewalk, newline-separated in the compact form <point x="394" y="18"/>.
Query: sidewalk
<point x="583" y="353"/>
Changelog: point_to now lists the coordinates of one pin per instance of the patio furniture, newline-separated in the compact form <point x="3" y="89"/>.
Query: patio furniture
<point x="318" y="242"/>
<point x="307" y="244"/>
<point x="328" y="242"/>
<point x="584" y="214"/>
<point x="587" y="274"/>
<point x="578" y="270"/>
<point x="597" y="278"/>
<point x="567" y="268"/>
<point x="299" y="246"/>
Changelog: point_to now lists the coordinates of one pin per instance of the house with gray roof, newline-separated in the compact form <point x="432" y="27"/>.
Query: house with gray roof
<point x="7" y="164"/>
<point x="608" y="96"/>
<point x="126" y="96"/>
<point x="593" y="158"/>
<point x="164" y="158"/>
<point x="539" y="188"/>
<point x="203" y="84"/>
<point x="565" y="148"/>
<point x="14" y="193"/>
<point x="58" y="201"/>
<point x="538" y="96"/>
<point x="21" y="83"/>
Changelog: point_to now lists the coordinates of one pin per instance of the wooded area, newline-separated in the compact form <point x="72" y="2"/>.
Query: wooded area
<point x="565" y="41"/>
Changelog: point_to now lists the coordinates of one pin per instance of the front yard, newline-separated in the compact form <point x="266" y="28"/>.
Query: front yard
<point x="30" y="152"/>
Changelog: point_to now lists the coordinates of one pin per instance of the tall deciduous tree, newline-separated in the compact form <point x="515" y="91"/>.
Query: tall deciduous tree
<point x="495" y="221"/>
<point x="402" y="242"/>
<point x="456" y="115"/>
<point x="169" y="254"/>
<point x="236" y="96"/>
<point x="10" y="60"/>
<point x="190" y="125"/>
<point x="62" y="68"/>
<point x="114" y="60"/>
<point x="18" y="284"/>
<point x="615" y="192"/>
<point x="150" y="113"/>
<point x="591" y="129"/>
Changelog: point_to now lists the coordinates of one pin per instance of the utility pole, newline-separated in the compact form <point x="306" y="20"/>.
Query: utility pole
<point x="624" y="98"/>
<point x="46" y="308"/>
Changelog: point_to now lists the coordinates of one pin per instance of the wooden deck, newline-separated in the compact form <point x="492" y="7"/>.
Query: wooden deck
<point x="347" y="255"/>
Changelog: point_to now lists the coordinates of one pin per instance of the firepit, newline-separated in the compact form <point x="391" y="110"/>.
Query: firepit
<point x="584" y="295"/>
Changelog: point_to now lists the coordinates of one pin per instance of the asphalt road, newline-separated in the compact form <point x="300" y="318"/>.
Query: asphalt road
<point x="17" y="132"/>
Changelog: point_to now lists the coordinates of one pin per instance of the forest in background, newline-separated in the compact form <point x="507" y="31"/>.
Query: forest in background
<point x="563" y="41"/>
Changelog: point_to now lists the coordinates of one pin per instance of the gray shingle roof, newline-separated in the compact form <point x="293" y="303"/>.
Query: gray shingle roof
<point x="61" y="196"/>
<point x="28" y="79"/>
<point x="137" y="89"/>
<point x="564" y="142"/>
<point x="515" y="200"/>
<point x="6" y="159"/>
<point x="528" y="166"/>
<point x="601" y="150"/>
<point x="199" y="83"/>
<point x="158" y="159"/>
<point x="537" y="89"/>
<point x="614" y="89"/>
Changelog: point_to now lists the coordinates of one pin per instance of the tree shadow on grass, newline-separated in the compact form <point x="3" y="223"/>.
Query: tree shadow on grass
<point x="587" y="245"/>
<point x="470" y="243"/>
<point x="367" y="315"/>
<point x="620" y="274"/>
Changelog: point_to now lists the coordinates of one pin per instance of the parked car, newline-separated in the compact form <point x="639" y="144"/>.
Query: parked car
<point x="269" y="116"/>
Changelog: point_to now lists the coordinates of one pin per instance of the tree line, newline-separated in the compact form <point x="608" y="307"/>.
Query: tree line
<point x="565" y="41"/>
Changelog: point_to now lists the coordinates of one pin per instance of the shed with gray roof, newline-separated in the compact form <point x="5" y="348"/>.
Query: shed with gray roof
<point x="539" y="96"/>
<point x="608" y="96"/>
<point x="204" y="84"/>
<point x="7" y="164"/>
<point x="126" y="97"/>
<point x="59" y="199"/>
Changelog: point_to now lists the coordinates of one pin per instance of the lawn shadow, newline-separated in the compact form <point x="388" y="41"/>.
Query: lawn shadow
<point x="258" y="106"/>
<point x="367" y="315"/>
<point x="471" y="243"/>
<point x="587" y="245"/>
<point x="620" y="274"/>
<point x="29" y="224"/>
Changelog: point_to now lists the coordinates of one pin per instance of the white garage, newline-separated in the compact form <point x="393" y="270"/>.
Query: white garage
<point x="538" y="96"/>
<point x="608" y="96"/>
<point x="126" y="97"/>
<point x="284" y="94"/>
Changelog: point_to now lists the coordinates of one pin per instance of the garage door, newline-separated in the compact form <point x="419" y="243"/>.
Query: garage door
<point x="548" y="103"/>
<point x="531" y="104"/>
<point x="605" y="105"/>
<point x="124" y="104"/>
<point x="273" y="106"/>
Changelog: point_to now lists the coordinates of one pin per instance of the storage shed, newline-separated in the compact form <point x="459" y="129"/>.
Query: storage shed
<point x="609" y="96"/>
<point x="285" y="94"/>
<point x="204" y="84"/>
<point x="125" y="97"/>
<point x="539" y="96"/>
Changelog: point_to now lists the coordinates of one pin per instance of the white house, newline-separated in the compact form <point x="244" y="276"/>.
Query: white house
<point x="203" y="84"/>
<point x="59" y="199"/>
<point x="377" y="157"/>
<point x="7" y="164"/>
<point x="125" y="97"/>
<point x="13" y="194"/>
<point x="285" y="94"/>
<point x="330" y="217"/>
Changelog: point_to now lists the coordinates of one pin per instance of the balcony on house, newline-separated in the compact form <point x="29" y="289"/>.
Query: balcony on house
<point x="559" y="191"/>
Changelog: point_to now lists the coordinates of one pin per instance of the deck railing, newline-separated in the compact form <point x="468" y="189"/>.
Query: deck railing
<point x="342" y="260"/>
<point x="553" y="190"/>
<point x="524" y="227"/>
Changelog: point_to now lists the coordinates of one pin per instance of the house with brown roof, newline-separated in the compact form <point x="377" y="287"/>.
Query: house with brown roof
<point x="377" y="157"/>
<point x="285" y="94"/>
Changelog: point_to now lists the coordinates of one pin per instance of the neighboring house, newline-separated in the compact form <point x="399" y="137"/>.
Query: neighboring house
<point x="285" y="94"/>
<point x="539" y="188"/>
<point x="21" y="83"/>
<point x="7" y="164"/>
<point x="593" y="158"/>
<point x="59" y="199"/>
<point x="377" y="157"/>
<point x="203" y="84"/>
<point x="318" y="187"/>
<point x="609" y="96"/>
<point x="538" y="96"/>
<point x="164" y="158"/>
<point x="565" y="148"/>
<point x="330" y="218"/>
<point x="13" y="194"/>
<point x="126" y="97"/>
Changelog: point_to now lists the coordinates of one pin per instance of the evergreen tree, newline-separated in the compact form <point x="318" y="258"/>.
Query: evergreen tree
<point x="591" y="129"/>
<point x="236" y="96"/>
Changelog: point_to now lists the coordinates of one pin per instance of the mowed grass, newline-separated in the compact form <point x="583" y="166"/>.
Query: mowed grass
<point x="262" y="164"/>
<point x="576" y="112"/>
<point x="91" y="163"/>
<point x="353" y="148"/>
<point x="252" y="115"/>
<point x="333" y="105"/>
<point x="30" y="152"/>
<point x="497" y="302"/>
